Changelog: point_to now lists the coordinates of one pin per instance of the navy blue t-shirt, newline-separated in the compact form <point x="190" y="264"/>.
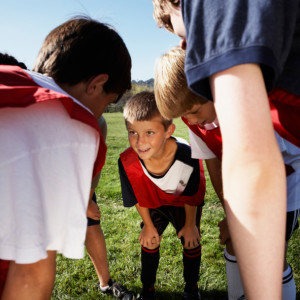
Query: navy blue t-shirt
<point x="221" y="34"/>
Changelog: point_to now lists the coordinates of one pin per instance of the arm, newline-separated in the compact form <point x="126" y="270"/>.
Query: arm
<point x="93" y="211"/>
<point x="148" y="237"/>
<point x="189" y="231"/>
<point x="214" y="169"/>
<point x="253" y="179"/>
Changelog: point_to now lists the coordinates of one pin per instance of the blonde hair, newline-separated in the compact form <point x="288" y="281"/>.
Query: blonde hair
<point x="161" y="13"/>
<point x="173" y="97"/>
<point x="142" y="107"/>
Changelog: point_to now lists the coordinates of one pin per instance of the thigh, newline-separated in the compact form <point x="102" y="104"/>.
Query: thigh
<point x="164" y="215"/>
<point x="31" y="281"/>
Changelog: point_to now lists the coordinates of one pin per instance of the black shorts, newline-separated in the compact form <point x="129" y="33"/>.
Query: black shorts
<point x="291" y="223"/>
<point x="90" y="221"/>
<point x="164" y="215"/>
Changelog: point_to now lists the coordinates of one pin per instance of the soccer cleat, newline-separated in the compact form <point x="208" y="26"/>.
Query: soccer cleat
<point x="117" y="290"/>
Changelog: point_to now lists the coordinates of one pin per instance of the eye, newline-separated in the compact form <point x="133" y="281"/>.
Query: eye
<point x="195" y="112"/>
<point x="131" y="132"/>
<point x="150" y="132"/>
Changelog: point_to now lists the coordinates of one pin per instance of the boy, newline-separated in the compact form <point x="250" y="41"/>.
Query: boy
<point x="235" y="59"/>
<point x="52" y="146"/>
<point x="159" y="177"/>
<point x="171" y="91"/>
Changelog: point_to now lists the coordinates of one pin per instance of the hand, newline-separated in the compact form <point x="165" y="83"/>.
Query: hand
<point x="149" y="237"/>
<point x="224" y="231"/>
<point x="93" y="211"/>
<point x="191" y="236"/>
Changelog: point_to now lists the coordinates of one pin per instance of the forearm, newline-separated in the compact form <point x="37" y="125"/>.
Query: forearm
<point x="253" y="179"/>
<point x="145" y="215"/>
<point x="214" y="169"/>
<point x="190" y="215"/>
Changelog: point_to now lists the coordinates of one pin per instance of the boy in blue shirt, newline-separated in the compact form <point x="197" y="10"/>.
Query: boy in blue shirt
<point x="234" y="59"/>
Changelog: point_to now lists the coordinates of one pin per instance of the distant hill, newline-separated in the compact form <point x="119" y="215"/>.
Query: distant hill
<point x="148" y="83"/>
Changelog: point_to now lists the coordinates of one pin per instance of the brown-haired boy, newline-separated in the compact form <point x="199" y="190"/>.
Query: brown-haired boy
<point x="165" y="184"/>
<point x="206" y="142"/>
<point x="52" y="146"/>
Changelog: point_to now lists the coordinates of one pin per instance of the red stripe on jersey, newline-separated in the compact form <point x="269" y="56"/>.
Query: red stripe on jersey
<point x="285" y="113"/>
<point x="212" y="138"/>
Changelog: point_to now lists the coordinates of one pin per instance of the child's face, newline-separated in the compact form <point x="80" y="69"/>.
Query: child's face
<point x="148" y="138"/>
<point x="177" y="23"/>
<point x="201" y="114"/>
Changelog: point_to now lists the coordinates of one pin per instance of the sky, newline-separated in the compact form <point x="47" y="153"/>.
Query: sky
<point x="25" y="24"/>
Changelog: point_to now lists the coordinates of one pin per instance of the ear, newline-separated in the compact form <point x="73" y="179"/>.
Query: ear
<point x="170" y="130"/>
<point x="95" y="84"/>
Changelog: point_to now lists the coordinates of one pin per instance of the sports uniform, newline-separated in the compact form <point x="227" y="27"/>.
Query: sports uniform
<point x="165" y="196"/>
<point x="49" y="152"/>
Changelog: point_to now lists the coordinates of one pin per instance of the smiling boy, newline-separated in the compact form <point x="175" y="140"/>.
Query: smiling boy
<point x="166" y="185"/>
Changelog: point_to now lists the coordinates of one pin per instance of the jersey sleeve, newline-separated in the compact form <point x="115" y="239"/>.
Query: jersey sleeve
<point x="221" y="36"/>
<point x="199" y="148"/>
<point x="128" y="195"/>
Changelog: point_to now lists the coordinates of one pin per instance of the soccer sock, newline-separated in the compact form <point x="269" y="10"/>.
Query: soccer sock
<point x="234" y="282"/>
<point x="288" y="285"/>
<point x="191" y="267"/>
<point x="150" y="261"/>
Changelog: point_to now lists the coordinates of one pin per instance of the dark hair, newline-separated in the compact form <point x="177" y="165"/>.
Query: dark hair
<point x="82" y="48"/>
<point x="142" y="107"/>
<point x="6" y="59"/>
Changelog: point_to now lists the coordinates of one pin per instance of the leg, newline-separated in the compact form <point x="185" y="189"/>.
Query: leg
<point x="96" y="248"/>
<point x="31" y="281"/>
<point x="234" y="281"/>
<point x="150" y="256"/>
<point x="191" y="266"/>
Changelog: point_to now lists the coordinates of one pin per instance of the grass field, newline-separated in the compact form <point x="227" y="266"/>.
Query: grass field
<point x="77" y="279"/>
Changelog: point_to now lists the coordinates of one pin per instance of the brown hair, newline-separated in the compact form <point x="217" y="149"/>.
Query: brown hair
<point x="142" y="107"/>
<point x="82" y="48"/>
<point x="172" y="94"/>
<point x="161" y="13"/>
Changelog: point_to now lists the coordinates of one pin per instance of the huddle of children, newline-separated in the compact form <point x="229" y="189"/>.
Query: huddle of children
<point x="82" y="67"/>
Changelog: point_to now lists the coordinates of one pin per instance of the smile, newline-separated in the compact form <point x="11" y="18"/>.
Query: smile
<point x="143" y="151"/>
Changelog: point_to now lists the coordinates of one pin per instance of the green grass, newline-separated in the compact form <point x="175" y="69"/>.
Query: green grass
<point x="76" y="279"/>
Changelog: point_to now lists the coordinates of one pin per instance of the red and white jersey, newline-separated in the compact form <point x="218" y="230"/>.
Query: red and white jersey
<point x="48" y="150"/>
<point x="19" y="88"/>
<point x="154" y="191"/>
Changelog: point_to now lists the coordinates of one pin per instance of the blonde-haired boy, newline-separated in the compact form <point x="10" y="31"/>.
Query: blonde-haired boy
<point x="166" y="185"/>
<point x="171" y="90"/>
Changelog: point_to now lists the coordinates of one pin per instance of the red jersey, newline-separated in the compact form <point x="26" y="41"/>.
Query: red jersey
<point x="149" y="194"/>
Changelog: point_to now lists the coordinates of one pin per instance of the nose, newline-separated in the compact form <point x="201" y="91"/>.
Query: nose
<point x="192" y="120"/>
<point x="183" y="43"/>
<point x="140" y="141"/>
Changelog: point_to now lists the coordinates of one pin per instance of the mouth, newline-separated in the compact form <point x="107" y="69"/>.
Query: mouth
<point x="143" y="151"/>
